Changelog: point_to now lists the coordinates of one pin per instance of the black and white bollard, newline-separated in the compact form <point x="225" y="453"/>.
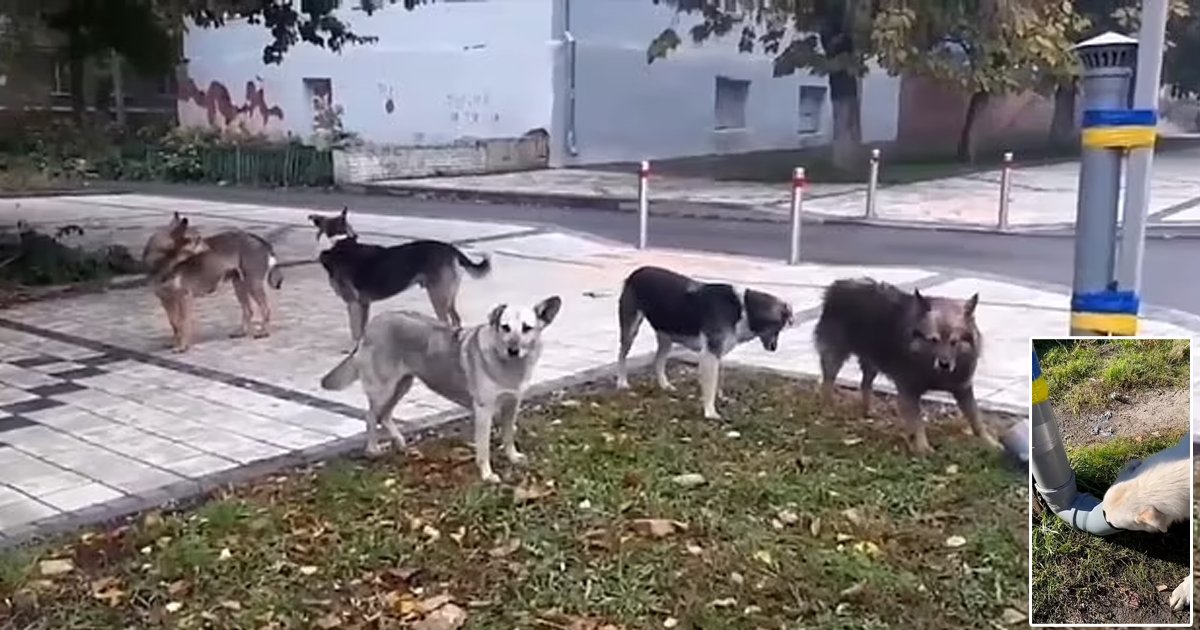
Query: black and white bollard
<point x="1005" y="191"/>
<point x="643" y="202"/>
<point x="872" y="183"/>
<point x="798" y="184"/>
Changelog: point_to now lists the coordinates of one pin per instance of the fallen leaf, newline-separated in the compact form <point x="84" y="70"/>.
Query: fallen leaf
<point x="689" y="480"/>
<point x="737" y="578"/>
<point x="225" y="554"/>
<point x="1162" y="587"/>
<point x="230" y="604"/>
<point x="952" y="469"/>
<point x="657" y="527"/>
<point x="955" y="541"/>
<point x="107" y="590"/>
<point x="723" y="603"/>
<point x="788" y="517"/>
<point x="176" y="588"/>
<point x="431" y="604"/>
<point x="1012" y="617"/>
<point x="670" y="622"/>
<point x="308" y="570"/>
<point x="842" y="609"/>
<point x="867" y="547"/>
<point x="844" y="537"/>
<point x="448" y="617"/>
<point x="527" y="493"/>
<point x="853" y="590"/>
<point x="585" y="505"/>
<point x="506" y="549"/>
<point x="764" y="557"/>
<point x="853" y="516"/>
<point x="174" y="607"/>
<point x="814" y="528"/>
<point x="431" y="533"/>
<point x="56" y="567"/>
<point x="751" y="610"/>
<point x="458" y="536"/>
<point x="332" y="620"/>
<point x="694" y="549"/>
<point x="852" y="441"/>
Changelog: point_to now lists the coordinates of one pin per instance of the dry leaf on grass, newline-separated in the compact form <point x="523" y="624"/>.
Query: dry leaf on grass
<point x="657" y="527"/>
<point x="448" y="617"/>
<point x="955" y="541"/>
<point x="689" y="480"/>
<point x="56" y="567"/>
<point x="308" y="570"/>
<point x="332" y="620"/>
<point x="527" y="493"/>
<point x="506" y="549"/>
<point x="1012" y="617"/>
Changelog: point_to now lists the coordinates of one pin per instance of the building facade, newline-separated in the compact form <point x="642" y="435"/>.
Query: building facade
<point x="468" y="84"/>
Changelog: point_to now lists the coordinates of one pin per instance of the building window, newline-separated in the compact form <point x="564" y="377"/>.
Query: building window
<point x="60" y="81"/>
<point x="730" y="106"/>
<point x="167" y="84"/>
<point x="812" y="100"/>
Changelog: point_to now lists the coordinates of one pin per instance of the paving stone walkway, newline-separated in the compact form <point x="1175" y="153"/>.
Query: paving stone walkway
<point x="1041" y="196"/>
<point x="98" y="418"/>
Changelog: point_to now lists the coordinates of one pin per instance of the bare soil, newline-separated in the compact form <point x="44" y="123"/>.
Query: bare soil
<point x="1146" y="414"/>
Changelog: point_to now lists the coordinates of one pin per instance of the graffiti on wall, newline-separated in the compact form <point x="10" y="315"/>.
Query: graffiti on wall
<point x="218" y="109"/>
<point x="469" y="109"/>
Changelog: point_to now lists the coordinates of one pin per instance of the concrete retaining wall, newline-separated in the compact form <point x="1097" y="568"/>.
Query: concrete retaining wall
<point x="497" y="155"/>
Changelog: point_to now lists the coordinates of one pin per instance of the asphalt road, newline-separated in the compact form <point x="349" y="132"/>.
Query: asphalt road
<point x="1034" y="258"/>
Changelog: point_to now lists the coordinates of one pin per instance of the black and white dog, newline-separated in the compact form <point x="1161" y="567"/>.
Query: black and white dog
<point x="710" y="319"/>
<point x="361" y="273"/>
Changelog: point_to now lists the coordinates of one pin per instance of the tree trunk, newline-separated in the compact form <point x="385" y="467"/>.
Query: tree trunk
<point x="966" y="138"/>
<point x="76" y="65"/>
<point x="847" y="124"/>
<point x="1062" y="125"/>
<point x="118" y="88"/>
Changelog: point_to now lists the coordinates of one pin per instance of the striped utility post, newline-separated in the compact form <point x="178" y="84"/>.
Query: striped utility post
<point x="1100" y="304"/>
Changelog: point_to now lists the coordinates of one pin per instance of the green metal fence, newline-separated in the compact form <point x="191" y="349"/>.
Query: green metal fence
<point x="288" y="165"/>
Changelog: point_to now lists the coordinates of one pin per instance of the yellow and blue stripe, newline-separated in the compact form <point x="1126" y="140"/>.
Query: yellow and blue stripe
<point x="1119" y="128"/>
<point x="1105" y="312"/>
<point x="1041" y="391"/>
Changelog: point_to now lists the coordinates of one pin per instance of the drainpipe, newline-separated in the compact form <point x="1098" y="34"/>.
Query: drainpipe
<point x="569" y="39"/>
<point x="1052" y="474"/>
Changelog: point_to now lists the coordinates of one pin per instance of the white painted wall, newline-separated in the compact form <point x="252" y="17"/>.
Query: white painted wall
<point x="627" y="110"/>
<point x="454" y="70"/>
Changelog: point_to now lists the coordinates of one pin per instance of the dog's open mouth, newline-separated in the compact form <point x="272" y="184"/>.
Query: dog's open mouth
<point x="514" y="352"/>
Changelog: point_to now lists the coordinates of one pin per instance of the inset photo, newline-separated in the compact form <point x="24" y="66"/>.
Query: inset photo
<point x="1110" y="456"/>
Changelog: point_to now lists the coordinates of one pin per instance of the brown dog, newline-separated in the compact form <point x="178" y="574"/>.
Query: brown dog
<point x="921" y="343"/>
<point x="183" y="265"/>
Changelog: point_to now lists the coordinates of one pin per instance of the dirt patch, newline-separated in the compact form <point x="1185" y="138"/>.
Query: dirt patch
<point x="1146" y="414"/>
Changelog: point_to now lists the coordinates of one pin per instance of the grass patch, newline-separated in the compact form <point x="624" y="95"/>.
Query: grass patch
<point x="1079" y="578"/>
<point x="1083" y="373"/>
<point x="809" y="518"/>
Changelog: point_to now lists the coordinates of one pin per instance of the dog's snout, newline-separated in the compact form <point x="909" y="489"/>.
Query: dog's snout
<point x="514" y="352"/>
<point x="943" y="364"/>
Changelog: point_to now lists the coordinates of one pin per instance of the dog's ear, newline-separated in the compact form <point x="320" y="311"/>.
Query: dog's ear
<point x="180" y="227"/>
<point x="969" y="306"/>
<point x="175" y="217"/>
<point x="923" y="305"/>
<point x="547" y="309"/>
<point x="494" y="317"/>
<point x="345" y="210"/>
<point x="1151" y="517"/>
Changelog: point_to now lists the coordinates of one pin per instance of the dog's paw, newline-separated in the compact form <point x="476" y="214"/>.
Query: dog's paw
<point x="490" y="477"/>
<point x="179" y="349"/>
<point x="711" y="414"/>
<point x="516" y="458"/>
<point x="666" y="386"/>
<point x="261" y="333"/>
<point x="622" y="383"/>
<point x="1181" y="597"/>
<point x="922" y="449"/>
<point x="373" y="451"/>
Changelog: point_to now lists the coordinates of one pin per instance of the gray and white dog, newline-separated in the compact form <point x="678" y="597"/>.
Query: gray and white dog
<point x="484" y="368"/>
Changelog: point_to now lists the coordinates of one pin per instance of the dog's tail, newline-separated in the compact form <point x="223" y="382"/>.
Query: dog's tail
<point x="474" y="269"/>
<point x="274" y="275"/>
<point x="345" y="373"/>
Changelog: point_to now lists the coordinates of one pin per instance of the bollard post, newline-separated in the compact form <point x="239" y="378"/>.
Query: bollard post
<point x="1005" y="191"/>
<point x="872" y="183"/>
<point x="643" y="202"/>
<point x="798" y="184"/>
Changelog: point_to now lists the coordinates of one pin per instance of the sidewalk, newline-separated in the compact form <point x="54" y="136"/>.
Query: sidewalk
<point x="1042" y="196"/>
<point x="100" y="420"/>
